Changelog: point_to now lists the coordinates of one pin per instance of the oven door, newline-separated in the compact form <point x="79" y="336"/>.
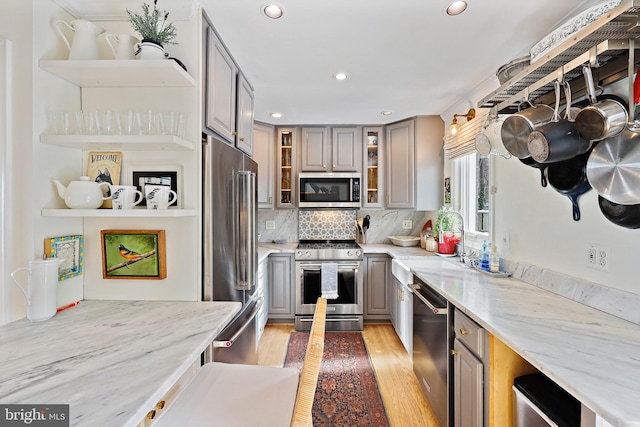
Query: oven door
<point x="350" y="288"/>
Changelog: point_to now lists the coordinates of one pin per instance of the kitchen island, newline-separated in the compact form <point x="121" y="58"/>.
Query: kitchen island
<point x="111" y="361"/>
<point x="591" y="354"/>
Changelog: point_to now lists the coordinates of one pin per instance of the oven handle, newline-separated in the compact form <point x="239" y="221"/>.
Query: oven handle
<point x="306" y="266"/>
<point x="436" y="310"/>
<point x="329" y="319"/>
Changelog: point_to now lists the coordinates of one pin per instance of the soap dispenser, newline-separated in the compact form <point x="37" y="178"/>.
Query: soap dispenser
<point x="494" y="260"/>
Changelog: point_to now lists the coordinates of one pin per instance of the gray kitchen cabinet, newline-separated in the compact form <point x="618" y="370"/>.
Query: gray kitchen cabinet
<point x="343" y="154"/>
<point x="346" y="149"/>
<point x="280" y="283"/>
<point x="414" y="170"/>
<point x="377" y="276"/>
<point x="373" y="167"/>
<point x="286" y="167"/>
<point x="263" y="154"/>
<point x="228" y="98"/>
<point x="314" y="149"/>
<point x="220" y="86"/>
<point x="470" y="372"/>
<point x="244" y="115"/>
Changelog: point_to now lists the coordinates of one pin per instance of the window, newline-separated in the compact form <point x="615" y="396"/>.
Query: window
<point x="470" y="188"/>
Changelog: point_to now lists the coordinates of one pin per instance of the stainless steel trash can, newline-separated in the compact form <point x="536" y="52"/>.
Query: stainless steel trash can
<point x="539" y="402"/>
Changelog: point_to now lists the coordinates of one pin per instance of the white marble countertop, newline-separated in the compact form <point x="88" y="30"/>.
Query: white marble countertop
<point x="111" y="361"/>
<point x="593" y="355"/>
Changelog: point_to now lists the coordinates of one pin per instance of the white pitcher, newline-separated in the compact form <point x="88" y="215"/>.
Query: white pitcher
<point x="85" y="38"/>
<point x="41" y="290"/>
<point x="123" y="46"/>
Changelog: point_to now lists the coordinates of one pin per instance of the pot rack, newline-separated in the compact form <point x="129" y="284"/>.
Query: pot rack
<point x="598" y="43"/>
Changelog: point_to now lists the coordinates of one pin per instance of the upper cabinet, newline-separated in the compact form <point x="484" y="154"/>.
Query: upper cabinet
<point x="373" y="161"/>
<point x="414" y="164"/>
<point x="286" y="171"/>
<point x="245" y="116"/>
<point x="314" y="149"/>
<point x="220" y="83"/>
<point x="228" y="109"/>
<point x="346" y="149"/>
<point x="263" y="154"/>
<point x="343" y="154"/>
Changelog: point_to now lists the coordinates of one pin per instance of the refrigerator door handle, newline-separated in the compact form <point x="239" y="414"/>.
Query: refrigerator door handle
<point x="228" y="343"/>
<point x="246" y="234"/>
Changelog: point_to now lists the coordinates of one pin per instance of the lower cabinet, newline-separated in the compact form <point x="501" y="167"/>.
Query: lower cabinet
<point x="377" y="277"/>
<point x="471" y="364"/>
<point x="281" y="280"/>
<point x="262" y="291"/>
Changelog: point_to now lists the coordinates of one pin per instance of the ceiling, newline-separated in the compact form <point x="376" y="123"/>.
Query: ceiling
<point x="404" y="56"/>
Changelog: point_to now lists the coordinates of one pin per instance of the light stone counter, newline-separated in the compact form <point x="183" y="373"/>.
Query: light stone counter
<point x="266" y="249"/>
<point x="591" y="354"/>
<point x="111" y="361"/>
<point x="399" y="252"/>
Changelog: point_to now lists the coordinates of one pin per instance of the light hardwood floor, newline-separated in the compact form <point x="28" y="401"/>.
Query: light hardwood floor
<point x="403" y="400"/>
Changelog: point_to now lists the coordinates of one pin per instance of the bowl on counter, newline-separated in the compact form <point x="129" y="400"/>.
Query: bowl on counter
<point x="404" y="240"/>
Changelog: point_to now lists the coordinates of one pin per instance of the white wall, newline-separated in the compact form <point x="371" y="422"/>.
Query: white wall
<point x="540" y="223"/>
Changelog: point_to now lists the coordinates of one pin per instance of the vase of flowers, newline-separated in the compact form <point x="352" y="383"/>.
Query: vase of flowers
<point x="152" y="25"/>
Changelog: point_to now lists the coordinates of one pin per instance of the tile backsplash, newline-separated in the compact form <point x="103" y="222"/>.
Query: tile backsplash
<point x="383" y="223"/>
<point x="327" y="224"/>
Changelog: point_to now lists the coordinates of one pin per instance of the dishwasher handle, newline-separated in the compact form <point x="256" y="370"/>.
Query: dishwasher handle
<point x="432" y="307"/>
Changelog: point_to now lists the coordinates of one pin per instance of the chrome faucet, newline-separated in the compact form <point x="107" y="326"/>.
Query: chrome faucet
<point x="441" y="233"/>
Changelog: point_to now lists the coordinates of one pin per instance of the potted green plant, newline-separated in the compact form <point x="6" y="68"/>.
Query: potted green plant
<point x="152" y="25"/>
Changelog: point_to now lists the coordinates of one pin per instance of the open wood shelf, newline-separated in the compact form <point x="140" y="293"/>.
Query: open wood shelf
<point x="119" y="142"/>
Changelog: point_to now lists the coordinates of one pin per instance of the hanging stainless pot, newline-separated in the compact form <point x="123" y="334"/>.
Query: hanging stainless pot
<point x="613" y="168"/>
<point x="603" y="118"/>
<point x="559" y="139"/>
<point x="517" y="127"/>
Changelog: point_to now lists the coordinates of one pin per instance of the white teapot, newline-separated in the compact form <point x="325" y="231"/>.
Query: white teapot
<point x="83" y="194"/>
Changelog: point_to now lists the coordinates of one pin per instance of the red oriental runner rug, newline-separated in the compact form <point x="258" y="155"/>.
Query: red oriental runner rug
<point x="347" y="393"/>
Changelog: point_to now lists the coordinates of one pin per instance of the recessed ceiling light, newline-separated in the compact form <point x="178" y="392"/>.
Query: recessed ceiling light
<point x="386" y="113"/>
<point x="276" y="115"/>
<point x="273" y="11"/>
<point x="456" y="8"/>
<point x="341" y="76"/>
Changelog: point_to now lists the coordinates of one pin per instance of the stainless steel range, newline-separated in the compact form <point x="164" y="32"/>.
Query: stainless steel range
<point x="344" y="313"/>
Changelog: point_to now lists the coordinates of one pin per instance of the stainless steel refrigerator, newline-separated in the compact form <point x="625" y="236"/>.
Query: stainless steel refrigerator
<point x="230" y="245"/>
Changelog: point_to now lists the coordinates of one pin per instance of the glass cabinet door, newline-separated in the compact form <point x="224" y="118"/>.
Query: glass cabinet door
<point x="286" y="167"/>
<point x="373" y="165"/>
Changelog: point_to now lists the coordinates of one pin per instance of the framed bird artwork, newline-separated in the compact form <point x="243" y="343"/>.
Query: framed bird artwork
<point x="133" y="254"/>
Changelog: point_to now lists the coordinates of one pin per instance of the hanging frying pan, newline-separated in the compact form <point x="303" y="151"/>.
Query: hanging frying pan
<point x="613" y="168"/>
<point x="569" y="177"/>
<point x="530" y="162"/>
<point x="627" y="216"/>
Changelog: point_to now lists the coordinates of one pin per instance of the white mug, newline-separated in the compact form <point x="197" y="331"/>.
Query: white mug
<point x="159" y="196"/>
<point x="124" y="196"/>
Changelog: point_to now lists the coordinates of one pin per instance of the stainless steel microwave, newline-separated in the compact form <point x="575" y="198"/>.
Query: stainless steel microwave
<point x="329" y="190"/>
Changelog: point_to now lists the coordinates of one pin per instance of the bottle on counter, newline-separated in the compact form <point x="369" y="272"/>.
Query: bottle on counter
<point x="494" y="260"/>
<point x="484" y="261"/>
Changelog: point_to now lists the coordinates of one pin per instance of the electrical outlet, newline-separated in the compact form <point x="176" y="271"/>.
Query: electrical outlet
<point x="270" y="225"/>
<point x="407" y="224"/>
<point x="599" y="257"/>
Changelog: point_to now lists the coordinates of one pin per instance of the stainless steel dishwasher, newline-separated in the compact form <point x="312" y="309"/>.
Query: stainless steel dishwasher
<point x="431" y="348"/>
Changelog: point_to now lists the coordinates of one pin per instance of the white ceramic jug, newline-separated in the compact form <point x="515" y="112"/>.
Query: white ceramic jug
<point x="123" y="46"/>
<point x="41" y="289"/>
<point x="85" y="38"/>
